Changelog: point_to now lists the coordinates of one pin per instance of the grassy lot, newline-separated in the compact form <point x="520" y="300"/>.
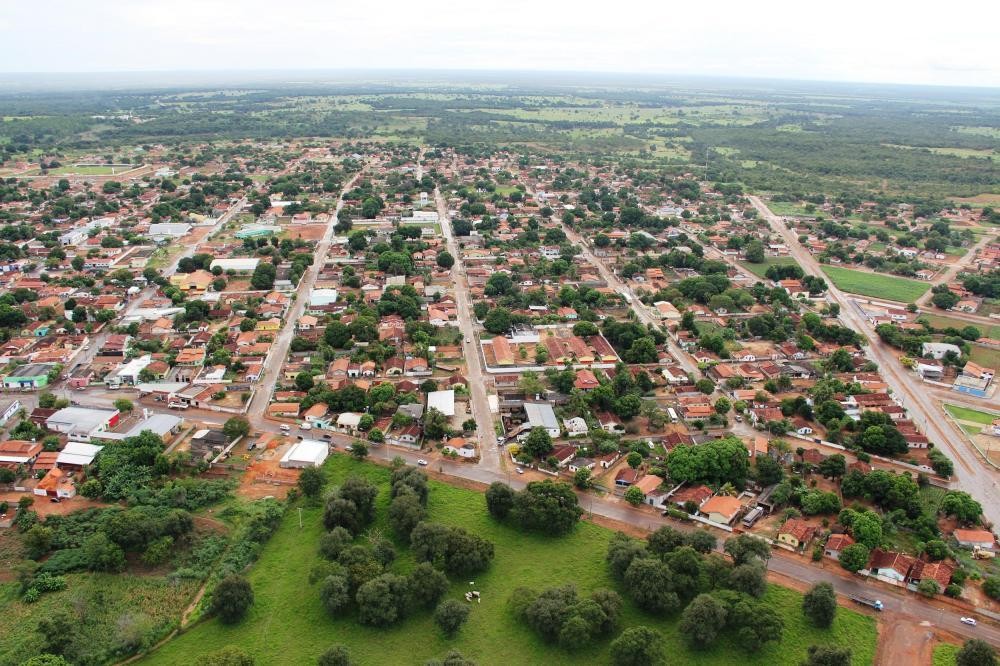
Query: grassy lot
<point x="942" y="321"/>
<point x="876" y="285"/>
<point x="985" y="356"/>
<point x="971" y="415"/>
<point x="944" y="654"/>
<point x="118" y="609"/>
<point x="789" y="208"/>
<point x="760" y="269"/>
<point x="288" y="625"/>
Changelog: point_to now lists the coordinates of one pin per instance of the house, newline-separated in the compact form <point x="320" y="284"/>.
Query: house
<point x="77" y="455"/>
<point x="576" y="464"/>
<point x="721" y="509"/>
<point x="649" y="484"/>
<point x="442" y="401"/>
<point x="206" y="444"/>
<point x="585" y="380"/>
<point x="836" y="543"/>
<point x="16" y="452"/>
<point x="796" y="533"/>
<point x="975" y="539"/>
<point x="696" y="495"/>
<point x="563" y="454"/>
<point x="408" y="436"/>
<point x="939" y="572"/>
<point x="575" y="427"/>
<point x="348" y="422"/>
<point x="55" y="483"/>
<point x="610" y="423"/>
<point x="626" y="477"/>
<point x="890" y="566"/>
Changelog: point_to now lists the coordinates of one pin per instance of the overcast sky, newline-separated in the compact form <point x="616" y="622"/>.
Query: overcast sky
<point x="893" y="41"/>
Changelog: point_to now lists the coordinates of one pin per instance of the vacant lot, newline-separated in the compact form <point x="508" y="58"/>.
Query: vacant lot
<point x="971" y="415"/>
<point x="944" y="654"/>
<point x="760" y="269"/>
<point x="288" y="625"/>
<point x="985" y="356"/>
<point x="876" y="285"/>
<point x="942" y="321"/>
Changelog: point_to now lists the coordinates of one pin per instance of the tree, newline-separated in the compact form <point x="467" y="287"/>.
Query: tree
<point x="976" y="652"/>
<point x="749" y="579"/>
<point x="634" y="459"/>
<point x="38" y="541"/>
<point x="340" y="512"/>
<point x="745" y="549"/>
<point x="768" y="471"/>
<point x="102" y="554"/>
<point x="634" y="496"/>
<point x="232" y="598"/>
<point x="546" y="506"/>
<point x="445" y="260"/>
<point x="405" y="513"/>
<point x="834" y="466"/>
<point x="827" y="655"/>
<point x="335" y="593"/>
<point x="311" y="482"/>
<point x="338" y="655"/>
<point x="582" y="478"/>
<point x="362" y="493"/>
<point x="538" y="442"/>
<point x="334" y="542"/>
<point x="123" y="405"/>
<point x="499" y="499"/>
<point x="638" y="646"/>
<point x="304" y="381"/>
<point x="450" y="615"/>
<point x="497" y="321"/>
<point x="714" y="463"/>
<point x="854" y="557"/>
<point x="936" y="549"/>
<point x="382" y="601"/>
<point x="427" y="585"/>
<point x="754" y="252"/>
<point x="820" y="604"/>
<point x="961" y="505"/>
<point x="702" y="620"/>
<point x="359" y="450"/>
<point x="867" y="529"/>
<point x="263" y="276"/>
<point x="236" y="427"/>
<point x="991" y="587"/>
<point x="650" y="583"/>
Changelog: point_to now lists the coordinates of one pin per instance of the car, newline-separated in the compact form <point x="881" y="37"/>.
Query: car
<point x="422" y="462"/>
<point x="971" y="621"/>
<point x="328" y="438"/>
<point x="500" y="440"/>
<point x="252" y="446"/>
<point x="86" y="348"/>
<point x="284" y="427"/>
<point x="55" y="500"/>
<point x="520" y="471"/>
<point x="305" y="426"/>
<point x="468" y="341"/>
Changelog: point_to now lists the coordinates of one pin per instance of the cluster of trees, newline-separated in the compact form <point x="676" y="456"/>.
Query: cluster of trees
<point x="714" y="463"/>
<point x="672" y="571"/>
<point x="558" y="614"/>
<point x="549" y="507"/>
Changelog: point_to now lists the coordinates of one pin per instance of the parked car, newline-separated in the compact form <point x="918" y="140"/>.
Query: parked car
<point x="520" y="471"/>
<point x="284" y="427"/>
<point x="422" y="462"/>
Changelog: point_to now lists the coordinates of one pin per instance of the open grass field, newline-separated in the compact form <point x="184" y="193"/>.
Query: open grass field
<point x="288" y="625"/>
<point x="111" y="611"/>
<point x="876" y="285"/>
<point x="944" y="654"/>
<point x="760" y="269"/>
<point x="970" y="415"/>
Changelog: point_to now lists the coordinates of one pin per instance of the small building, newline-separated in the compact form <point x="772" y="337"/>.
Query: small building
<point x="77" y="455"/>
<point x="541" y="415"/>
<point x="28" y="377"/>
<point x="937" y="350"/>
<point x="82" y="423"/>
<point x="443" y="401"/>
<point x="305" y="453"/>
<point x="236" y="264"/>
<point x="348" y="422"/>
<point x="55" y="483"/>
<point x="975" y="539"/>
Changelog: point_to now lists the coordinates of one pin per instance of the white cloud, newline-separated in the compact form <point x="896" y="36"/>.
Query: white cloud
<point x="862" y="40"/>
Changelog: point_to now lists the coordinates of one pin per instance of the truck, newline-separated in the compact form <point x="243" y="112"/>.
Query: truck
<point x="873" y="603"/>
<point x="672" y="413"/>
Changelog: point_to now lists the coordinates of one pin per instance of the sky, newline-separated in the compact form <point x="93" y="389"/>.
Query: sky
<point x="879" y="41"/>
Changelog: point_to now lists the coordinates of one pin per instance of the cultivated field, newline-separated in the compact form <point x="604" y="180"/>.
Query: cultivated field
<point x="876" y="285"/>
<point x="288" y="625"/>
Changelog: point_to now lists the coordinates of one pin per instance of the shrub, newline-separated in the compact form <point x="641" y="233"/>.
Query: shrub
<point x="820" y="604"/>
<point x="232" y="598"/>
<point x="450" y="615"/>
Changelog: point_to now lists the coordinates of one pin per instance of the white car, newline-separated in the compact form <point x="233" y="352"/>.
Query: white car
<point x="422" y="462"/>
<point x="284" y="427"/>
<point x="971" y="621"/>
<point x="520" y="471"/>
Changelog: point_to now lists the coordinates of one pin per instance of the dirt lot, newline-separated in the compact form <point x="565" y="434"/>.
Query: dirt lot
<point x="309" y="232"/>
<point x="43" y="507"/>
<point x="264" y="478"/>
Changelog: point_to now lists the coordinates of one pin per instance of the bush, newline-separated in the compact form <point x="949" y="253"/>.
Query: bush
<point x="335" y="594"/>
<point x="334" y="542"/>
<point x="638" y="646"/>
<point x="991" y="587"/>
<point x="702" y="620"/>
<point x="976" y="652"/>
<point x="338" y="655"/>
<point x="499" y="499"/>
<point x="232" y="598"/>
<point x="928" y="587"/>
<point x="227" y="656"/>
<point x="427" y="585"/>
<point x="382" y="601"/>
<point x="450" y="615"/>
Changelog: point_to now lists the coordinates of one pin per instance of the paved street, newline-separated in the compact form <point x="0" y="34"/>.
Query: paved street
<point x="973" y="475"/>
<point x="491" y="454"/>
